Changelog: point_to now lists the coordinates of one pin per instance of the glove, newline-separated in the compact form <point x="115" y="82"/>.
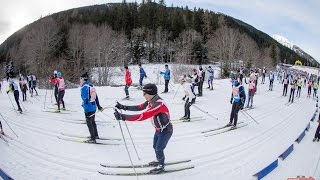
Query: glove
<point x="8" y="92"/>
<point x="120" y="106"/>
<point x="231" y="101"/>
<point x="241" y="106"/>
<point x="100" y="108"/>
<point x="118" y="115"/>
<point x="184" y="98"/>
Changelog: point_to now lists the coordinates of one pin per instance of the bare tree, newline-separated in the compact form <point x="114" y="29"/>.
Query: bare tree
<point x="40" y="44"/>
<point x="184" y="44"/>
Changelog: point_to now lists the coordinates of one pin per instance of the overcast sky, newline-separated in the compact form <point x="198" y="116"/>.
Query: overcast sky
<point x="294" y="19"/>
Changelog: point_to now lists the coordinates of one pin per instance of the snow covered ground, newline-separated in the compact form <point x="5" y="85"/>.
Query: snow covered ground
<point x="38" y="153"/>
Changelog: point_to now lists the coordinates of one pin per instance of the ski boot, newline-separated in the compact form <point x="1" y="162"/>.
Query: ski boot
<point x="229" y="124"/>
<point x="20" y="110"/>
<point x="57" y="111"/>
<point x="91" y="141"/>
<point x="314" y="139"/>
<point x="154" y="163"/>
<point x="187" y="120"/>
<point x="1" y="132"/>
<point x="63" y="109"/>
<point x="318" y="140"/>
<point x="183" y="118"/>
<point x="233" y="127"/>
<point x="157" y="170"/>
<point x="127" y="97"/>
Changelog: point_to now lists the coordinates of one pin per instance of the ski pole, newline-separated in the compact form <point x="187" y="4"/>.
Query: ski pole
<point x="246" y="113"/>
<point x="125" y="143"/>
<point x="8" y="125"/>
<point x="22" y="106"/>
<point x="132" y="140"/>
<point x="12" y="104"/>
<point x="176" y="92"/>
<point x="206" y="112"/>
<point x="45" y="98"/>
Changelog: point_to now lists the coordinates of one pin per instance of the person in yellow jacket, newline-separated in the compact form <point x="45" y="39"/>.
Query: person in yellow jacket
<point x="299" y="84"/>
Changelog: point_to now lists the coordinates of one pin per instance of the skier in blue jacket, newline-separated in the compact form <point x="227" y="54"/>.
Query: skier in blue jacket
<point x="166" y="76"/>
<point x="238" y="98"/>
<point x="88" y="96"/>
<point x="142" y="75"/>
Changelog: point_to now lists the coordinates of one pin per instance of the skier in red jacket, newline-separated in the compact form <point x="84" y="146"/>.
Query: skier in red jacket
<point x="128" y="81"/>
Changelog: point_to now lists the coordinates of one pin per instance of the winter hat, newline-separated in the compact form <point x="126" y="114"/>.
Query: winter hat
<point x="55" y="72"/>
<point x="150" y="89"/>
<point x="236" y="83"/>
<point x="85" y="76"/>
<point x="59" y="74"/>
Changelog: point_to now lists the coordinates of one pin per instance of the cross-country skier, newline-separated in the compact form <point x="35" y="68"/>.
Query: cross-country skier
<point x="61" y="91"/>
<point x="88" y="96"/>
<point x="317" y="134"/>
<point x="29" y="79"/>
<point x="241" y="74"/>
<point x="166" y="76"/>
<point x="53" y="80"/>
<point x="238" y="98"/>
<point x="23" y="88"/>
<point x="142" y="75"/>
<point x="263" y="75"/>
<point x="33" y="85"/>
<point x="299" y="84"/>
<point x="201" y="74"/>
<point x="189" y="96"/>
<point x="293" y="88"/>
<point x="309" y="88"/>
<point x="156" y="110"/>
<point x="315" y="88"/>
<point x="251" y="92"/>
<point x="14" y="87"/>
<point x="210" y="79"/>
<point x="128" y="81"/>
<point x="285" y="83"/>
<point x="271" y="79"/>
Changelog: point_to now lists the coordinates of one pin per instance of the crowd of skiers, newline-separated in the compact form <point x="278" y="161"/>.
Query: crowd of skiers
<point x="155" y="108"/>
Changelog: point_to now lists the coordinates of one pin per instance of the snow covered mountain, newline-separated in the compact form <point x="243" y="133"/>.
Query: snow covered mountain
<point x="285" y="42"/>
<point x="282" y="40"/>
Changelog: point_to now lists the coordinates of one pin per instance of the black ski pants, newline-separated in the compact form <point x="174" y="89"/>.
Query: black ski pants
<point x="200" y="87"/>
<point x="234" y="112"/>
<point x="291" y="94"/>
<point x="285" y="90"/>
<point x="16" y="98"/>
<point x="91" y="123"/>
<point x="126" y="89"/>
<point x="60" y="99"/>
<point x="298" y="91"/>
<point x="187" y="109"/>
<point x="56" y="92"/>
<point x="166" y="83"/>
<point x="271" y="85"/>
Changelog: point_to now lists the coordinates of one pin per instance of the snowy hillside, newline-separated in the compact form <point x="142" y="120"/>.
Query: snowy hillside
<point x="46" y="149"/>
<point x="282" y="40"/>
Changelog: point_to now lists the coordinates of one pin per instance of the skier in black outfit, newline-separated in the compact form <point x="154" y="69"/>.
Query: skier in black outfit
<point x="156" y="109"/>
<point x="317" y="134"/>
<point x="293" y="89"/>
<point x="201" y="77"/>
<point x="14" y="87"/>
<point x="285" y="83"/>
<point x="238" y="98"/>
